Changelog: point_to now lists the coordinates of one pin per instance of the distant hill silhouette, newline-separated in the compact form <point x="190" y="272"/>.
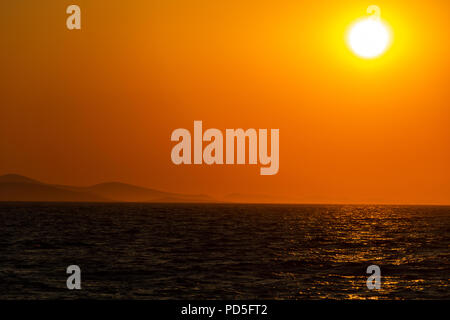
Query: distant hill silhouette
<point x="15" y="178"/>
<point x="126" y="192"/>
<point x="254" y="198"/>
<point x="15" y="187"/>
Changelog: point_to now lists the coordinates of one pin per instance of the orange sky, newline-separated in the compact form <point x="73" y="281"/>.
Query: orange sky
<point x="100" y="104"/>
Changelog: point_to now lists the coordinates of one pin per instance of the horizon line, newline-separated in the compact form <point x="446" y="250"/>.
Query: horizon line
<point x="244" y="203"/>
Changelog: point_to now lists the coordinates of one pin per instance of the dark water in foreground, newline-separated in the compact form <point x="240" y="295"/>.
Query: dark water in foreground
<point x="157" y="251"/>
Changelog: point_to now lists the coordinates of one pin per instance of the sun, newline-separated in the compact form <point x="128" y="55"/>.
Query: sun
<point x="370" y="37"/>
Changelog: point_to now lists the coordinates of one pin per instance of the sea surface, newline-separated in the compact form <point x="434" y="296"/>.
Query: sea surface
<point x="201" y="251"/>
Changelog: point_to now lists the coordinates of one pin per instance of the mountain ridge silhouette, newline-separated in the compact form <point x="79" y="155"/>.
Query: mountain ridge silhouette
<point x="19" y="188"/>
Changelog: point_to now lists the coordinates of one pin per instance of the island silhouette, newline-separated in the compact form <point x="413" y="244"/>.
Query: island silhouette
<point x="18" y="188"/>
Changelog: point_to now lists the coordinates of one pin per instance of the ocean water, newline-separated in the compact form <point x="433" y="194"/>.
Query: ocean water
<point x="198" y="251"/>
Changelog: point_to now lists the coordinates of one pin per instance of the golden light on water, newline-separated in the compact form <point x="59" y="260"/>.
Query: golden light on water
<point x="369" y="37"/>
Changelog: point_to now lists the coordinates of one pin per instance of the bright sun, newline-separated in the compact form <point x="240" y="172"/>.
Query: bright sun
<point x="369" y="38"/>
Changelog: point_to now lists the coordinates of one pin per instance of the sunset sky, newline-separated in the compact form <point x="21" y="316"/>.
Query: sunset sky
<point x="100" y="104"/>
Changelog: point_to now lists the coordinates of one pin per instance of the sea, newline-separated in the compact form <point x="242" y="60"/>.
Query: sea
<point x="223" y="251"/>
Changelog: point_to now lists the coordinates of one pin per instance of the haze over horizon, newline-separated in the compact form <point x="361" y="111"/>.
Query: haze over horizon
<point x="15" y="187"/>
